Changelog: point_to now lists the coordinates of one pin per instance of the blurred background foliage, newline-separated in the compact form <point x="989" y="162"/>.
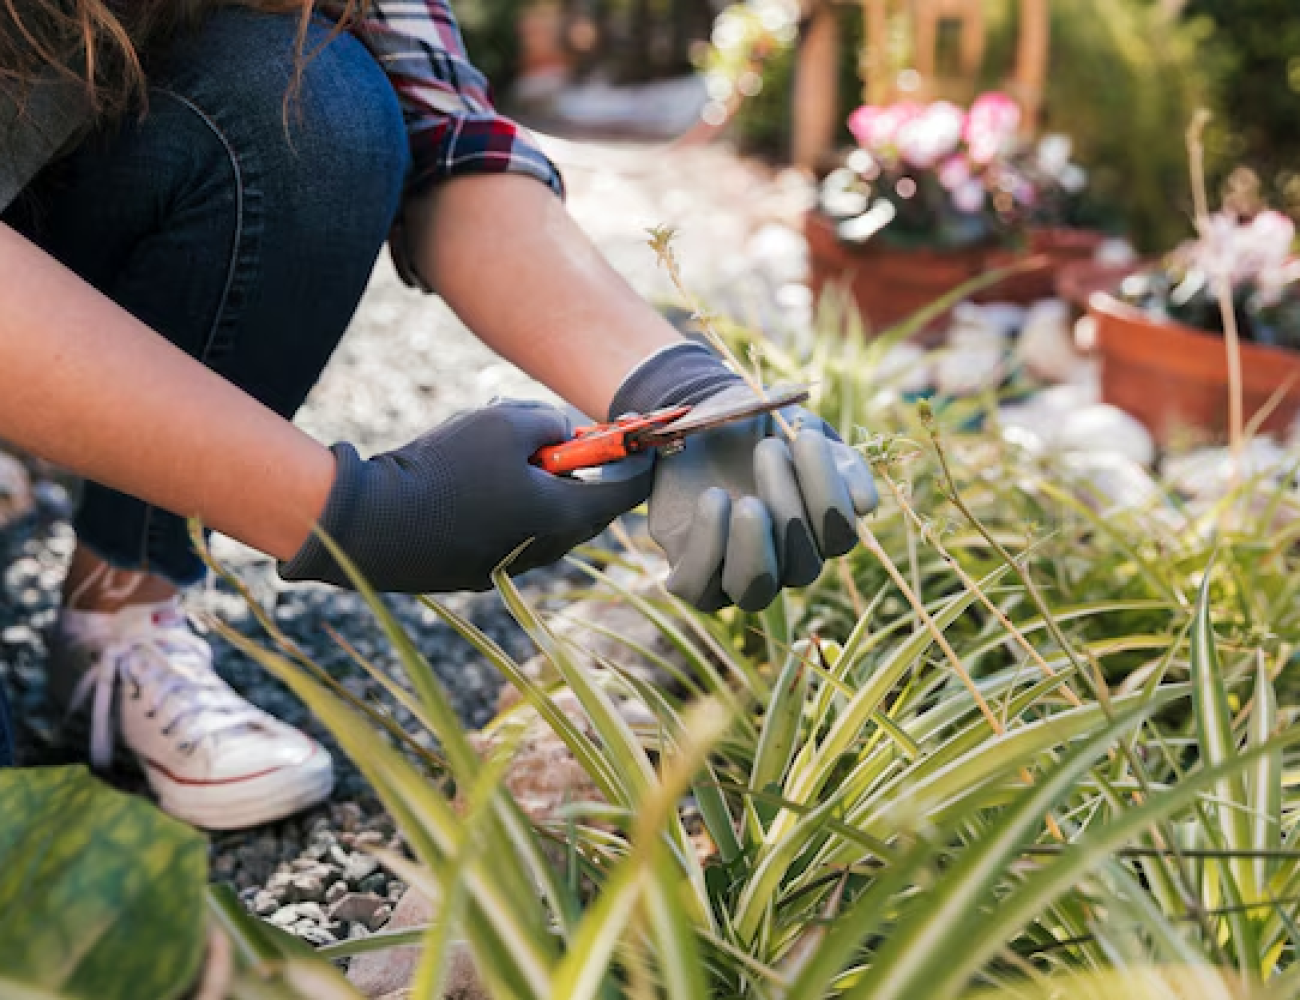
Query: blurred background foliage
<point x="1124" y="83"/>
<point x="489" y="27"/>
<point x="1252" y="55"/>
<point x="1126" y="76"/>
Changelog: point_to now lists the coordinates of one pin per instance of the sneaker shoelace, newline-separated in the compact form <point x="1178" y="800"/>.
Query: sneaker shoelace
<point x="174" y="670"/>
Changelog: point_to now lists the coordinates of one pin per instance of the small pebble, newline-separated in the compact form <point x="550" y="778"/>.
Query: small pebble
<point x="304" y="887"/>
<point x="357" y="906"/>
<point x="316" y="936"/>
<point x="381" y="916"/>
<point x="286" y="916"/>
<point x="373" y="883"/>
<point x="312" y="911"/>
<point x="346" y="816"/>
<point x="359" y="868"/>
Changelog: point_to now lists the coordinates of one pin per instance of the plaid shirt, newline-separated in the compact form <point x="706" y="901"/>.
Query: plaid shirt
<point x="453" y="127"/>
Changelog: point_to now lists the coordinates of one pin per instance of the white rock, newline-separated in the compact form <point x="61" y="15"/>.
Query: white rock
<point x="1025" y="438"/>
<point x="906" y="368"/>
<point x="1115" y="251"/>
<point x="1046" y="344"/>
<point x="1106" y="428"/>
<point x="978" y="326"/>
<point x="780" y="252"/>
<point x="1112" y="482"/>
<point x="1042" y="415"/>
<point x="1085" y="333"/>
<point x="1005" y="317"/>
<point x="1207" y="473"/>
<point x="965" y="369"/>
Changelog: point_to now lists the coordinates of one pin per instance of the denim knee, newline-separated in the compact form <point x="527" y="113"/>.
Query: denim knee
<point x="318" y="136"/>
<point x="240" y="217"/>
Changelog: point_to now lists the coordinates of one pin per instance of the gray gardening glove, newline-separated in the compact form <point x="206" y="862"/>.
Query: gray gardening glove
<point x="443" y="512"/>
<point x="740" y="512"/>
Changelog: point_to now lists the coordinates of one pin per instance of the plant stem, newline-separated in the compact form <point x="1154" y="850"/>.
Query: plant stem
<point x="872" y="545"/>
<point x="1165" y="833"/>
<point x="950" y="482"/>
<point x="973" y="586"/>
<point x="1223" y="292"/>
<point x="661" y="241"/>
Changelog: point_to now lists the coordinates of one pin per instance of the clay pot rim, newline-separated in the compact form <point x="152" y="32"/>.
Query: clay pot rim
<point x="1108" y="304"/>
<point x="1199" y="354"/>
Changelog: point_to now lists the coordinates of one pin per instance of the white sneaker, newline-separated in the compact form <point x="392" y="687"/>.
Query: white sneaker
<point x="212" y="759"/>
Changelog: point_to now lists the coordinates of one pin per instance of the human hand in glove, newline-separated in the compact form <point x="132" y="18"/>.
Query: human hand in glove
<point x="740" y="511"/>
<point x="443" y="512"/>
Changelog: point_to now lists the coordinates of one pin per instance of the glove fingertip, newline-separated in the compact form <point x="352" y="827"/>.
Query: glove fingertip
<point x="751" y="576"/>
<point x="856" y="473"/>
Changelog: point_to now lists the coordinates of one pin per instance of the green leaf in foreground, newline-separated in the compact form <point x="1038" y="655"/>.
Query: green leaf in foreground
<point x="102" y="893"/>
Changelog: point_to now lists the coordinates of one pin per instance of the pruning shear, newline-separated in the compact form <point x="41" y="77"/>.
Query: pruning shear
<point x="666" y="429"/>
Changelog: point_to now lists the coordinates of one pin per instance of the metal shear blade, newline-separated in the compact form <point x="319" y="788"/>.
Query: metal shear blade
<point x="712" y="414"/>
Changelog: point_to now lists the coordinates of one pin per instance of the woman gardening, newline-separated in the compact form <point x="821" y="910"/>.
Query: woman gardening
<point x="194" y="194"/>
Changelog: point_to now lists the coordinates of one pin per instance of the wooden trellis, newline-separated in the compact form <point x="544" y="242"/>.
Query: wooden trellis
<point x="816" y="101"/>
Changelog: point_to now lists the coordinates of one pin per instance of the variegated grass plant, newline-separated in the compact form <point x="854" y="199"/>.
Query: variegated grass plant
<point x="1066" y="770"/>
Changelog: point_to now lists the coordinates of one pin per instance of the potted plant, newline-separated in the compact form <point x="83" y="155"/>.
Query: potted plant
<point x="934" y="196"/>
<point x="1160" y="336"/>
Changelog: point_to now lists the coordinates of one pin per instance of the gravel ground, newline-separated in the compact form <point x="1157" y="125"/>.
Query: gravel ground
<point x="406" y="365"/>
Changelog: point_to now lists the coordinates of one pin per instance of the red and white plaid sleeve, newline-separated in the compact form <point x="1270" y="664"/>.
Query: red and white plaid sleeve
<point x="453" y="126"/>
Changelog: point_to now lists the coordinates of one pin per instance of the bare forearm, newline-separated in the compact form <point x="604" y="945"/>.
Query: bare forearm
<point x="505" y="255"/>
<point x="86" y="386"/>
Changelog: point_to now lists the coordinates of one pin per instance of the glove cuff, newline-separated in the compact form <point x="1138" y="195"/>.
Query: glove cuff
<point x="683" y="374"/>
<point x="314" y="561"/>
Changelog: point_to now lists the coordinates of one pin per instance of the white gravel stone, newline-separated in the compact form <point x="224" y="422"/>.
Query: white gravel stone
<point x="1106" y="428"/>
<point x="1046" y="343"/>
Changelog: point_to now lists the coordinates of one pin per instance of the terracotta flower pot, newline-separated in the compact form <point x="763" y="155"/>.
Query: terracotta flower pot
<point x="890" y="284"/>
<point x="1175" y="378"/>
<point x="1078" y="281"/>
<point x="1058" y="247"/>
<point x="887" y="284"/>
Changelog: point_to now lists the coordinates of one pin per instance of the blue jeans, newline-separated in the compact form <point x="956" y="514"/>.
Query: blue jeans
<point x="240" y="226"/>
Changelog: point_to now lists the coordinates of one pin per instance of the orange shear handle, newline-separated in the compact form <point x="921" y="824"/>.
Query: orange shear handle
<point x="603" y="444"/>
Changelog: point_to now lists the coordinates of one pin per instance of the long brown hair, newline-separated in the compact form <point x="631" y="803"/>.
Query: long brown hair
<point x="99" y="43"/>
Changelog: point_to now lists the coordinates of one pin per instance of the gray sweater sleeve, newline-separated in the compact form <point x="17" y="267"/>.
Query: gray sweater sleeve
<point x="34" y="131"/>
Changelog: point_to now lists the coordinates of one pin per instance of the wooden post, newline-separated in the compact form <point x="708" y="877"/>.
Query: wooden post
<point x="816" y="89"/>
<point x="973" y="40"/>
<point x="878" y="79"/>
<point x="928" y="15"/>
<point x="1031" y="61"/>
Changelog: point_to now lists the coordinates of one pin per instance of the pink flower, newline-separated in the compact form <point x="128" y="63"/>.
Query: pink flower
<point x="991" y="126"/>
<point x="1265" y="251"/>
<point x="1256" y="252"/>
<point x="969" y="197"/>
<point x="924" y="139"/>
<point x="876" y="128"/>
<point x="954" y="172"/>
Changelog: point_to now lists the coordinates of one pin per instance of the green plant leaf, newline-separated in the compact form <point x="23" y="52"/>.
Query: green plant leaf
<point x="982" y="932"/>
<point x="1218" y="745"/>
<point x="102" y="893"/>
<point x="939" y="926"/>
